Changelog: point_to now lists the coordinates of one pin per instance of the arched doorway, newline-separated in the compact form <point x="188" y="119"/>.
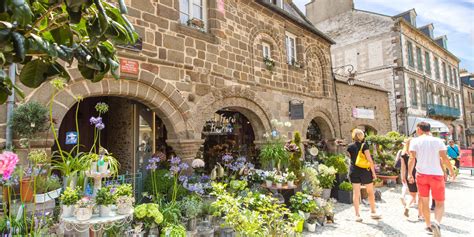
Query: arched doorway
<point x="228" y="131"/>
<point x="132" y="132"/>
<point x="319" y="134"/>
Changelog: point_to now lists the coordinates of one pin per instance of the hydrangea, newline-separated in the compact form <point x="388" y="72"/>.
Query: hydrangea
<point x="8" y="161"/>
<point x="198" y="163"/>
<point x="227" y="158"/>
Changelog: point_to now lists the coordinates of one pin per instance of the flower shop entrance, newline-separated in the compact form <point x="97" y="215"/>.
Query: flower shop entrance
<point x="319" y="134"/>
<point x="228" y="132"/>
<point x="132" y="132"/>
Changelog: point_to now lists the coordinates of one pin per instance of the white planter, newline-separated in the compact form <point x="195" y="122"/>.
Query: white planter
<point x="83" y="214"/>
<point x="103" y="169"/>
<point x="311" y="227"/>
<point x="306" y="215"/>
<point x="105" y="211"/>
<point x="291" y="183"/>
<point x="93" y="168"/>
<point x="279" y="185"/>
<point x="326" y="194"/>
<point x="68" y="210"/>
<point x="44" y="197"/>
<point x="124" y="209"/>
<point x="269" y="183"/>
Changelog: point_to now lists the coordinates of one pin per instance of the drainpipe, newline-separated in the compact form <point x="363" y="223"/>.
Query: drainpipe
<point x="10" y="106"/>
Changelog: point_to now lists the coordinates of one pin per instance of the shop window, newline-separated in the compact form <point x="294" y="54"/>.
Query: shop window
<point x="193" y="13"/>
<point x="413" y="92"/>
<point x="436" y="64"/>
<point x="419" y="60"/>
<point x="411" y="62"/>
<point x="267" y="52"/>
<point x="428" y="63"/>
<point x="291" y="48"/>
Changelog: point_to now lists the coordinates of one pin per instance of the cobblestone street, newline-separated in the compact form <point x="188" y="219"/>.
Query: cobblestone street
<point x="458" y="219"/>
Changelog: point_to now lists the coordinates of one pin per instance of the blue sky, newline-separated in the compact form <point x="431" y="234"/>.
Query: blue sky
<point x="454" y="18"/>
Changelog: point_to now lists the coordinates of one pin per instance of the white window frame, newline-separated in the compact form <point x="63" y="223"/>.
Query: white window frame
<point x="266" y="50"/>
<point x="277" y="3"/>
<point x="291" y="51"/>
<point x="190" y="12"/>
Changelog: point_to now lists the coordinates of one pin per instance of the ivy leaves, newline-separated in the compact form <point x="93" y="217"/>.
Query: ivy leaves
<point x="40" y="34"/>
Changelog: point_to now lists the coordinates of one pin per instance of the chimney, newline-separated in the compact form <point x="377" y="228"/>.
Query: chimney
<point x="427" y="30"/>
<point x="321" y="10"/>
<point x="442" y="41"/>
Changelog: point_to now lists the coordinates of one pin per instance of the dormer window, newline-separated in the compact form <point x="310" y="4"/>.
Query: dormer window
<point x="277" y="2"/>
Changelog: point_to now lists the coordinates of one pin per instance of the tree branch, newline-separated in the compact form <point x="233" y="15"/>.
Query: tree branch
<point x="35" y="25"/>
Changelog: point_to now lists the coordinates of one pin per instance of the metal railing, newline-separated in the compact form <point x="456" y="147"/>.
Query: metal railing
<point x="443" y="111"/>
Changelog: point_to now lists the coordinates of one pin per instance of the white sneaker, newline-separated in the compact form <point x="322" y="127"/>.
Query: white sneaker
<point x="358" y="219"/>
<point x="375" y="216"/>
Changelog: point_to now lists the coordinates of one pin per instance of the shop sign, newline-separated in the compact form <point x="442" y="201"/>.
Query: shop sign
<point x="71" y="138"/>
<point x="129" y="66"/>
<point x="296" y="110"/>
<point x="363" y="113"/>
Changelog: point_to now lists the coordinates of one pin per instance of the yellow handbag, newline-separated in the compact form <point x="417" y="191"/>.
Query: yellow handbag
<point x="361" y="160"/>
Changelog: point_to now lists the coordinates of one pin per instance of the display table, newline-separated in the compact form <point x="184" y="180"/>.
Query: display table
<point x="283" y="187"/>
<point x="96" y="224"/>
<point x="283" y="194"/>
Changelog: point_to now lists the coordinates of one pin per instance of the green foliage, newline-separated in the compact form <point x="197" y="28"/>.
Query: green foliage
<point x="295" y="163"/>
<point x="385" y="148"/>
<point x="191" y="206"/>
<point x="46" y="184"/>
<point x="149" y="214"/>
<point x="105" y="197"/>
<point x="345" y="186"/>
<point x="326" y="176"/>
<point x="311" y="181"/>
<point x="69" y="163"/>
<point x="29" y="119"/>
<point x="171" y="213"/>
<point x="38" y="156"/>
<point x="303" y="202"/>
<point x="238" y="185"/>
<point x="338" y="162"/>
<point x="70" y="196"/>
<point x="40" y="34"/>
<point x="273" y="154"/>
<point x="173" y="230"/>
<point x="165" y="187"/>
<point x="124" y="190"/>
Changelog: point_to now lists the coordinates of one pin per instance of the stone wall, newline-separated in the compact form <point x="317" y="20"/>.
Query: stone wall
<point x="350" y="97"/>
<point x="468" y="93"/>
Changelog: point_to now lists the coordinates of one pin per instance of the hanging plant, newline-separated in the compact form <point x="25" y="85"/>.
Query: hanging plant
<point x="269" y="63"/>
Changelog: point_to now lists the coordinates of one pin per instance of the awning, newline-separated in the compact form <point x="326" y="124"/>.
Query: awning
<point x="436" y="126"/>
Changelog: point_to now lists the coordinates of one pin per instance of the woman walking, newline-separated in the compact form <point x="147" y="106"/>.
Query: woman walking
<point x="411" y="186"/>
<point x="360" y="176"/>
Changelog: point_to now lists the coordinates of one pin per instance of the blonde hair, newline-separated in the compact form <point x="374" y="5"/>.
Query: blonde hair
<point x="406" y="147"/>
<point x="358" y="135"/>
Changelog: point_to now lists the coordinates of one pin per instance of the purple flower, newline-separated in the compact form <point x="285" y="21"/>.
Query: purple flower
<point x="242" y="159"/>
<point x="100" y="126"/>
<point x="93" y="121"/>
<point x="183" y="166"/>
<point x="227" y="158"/>
<point x="174" y="169"/>
<point x="205" y="178"/>
<point x="175" y="160"/>
<point x="151" y="166"/>
<point x="183" y="178"/>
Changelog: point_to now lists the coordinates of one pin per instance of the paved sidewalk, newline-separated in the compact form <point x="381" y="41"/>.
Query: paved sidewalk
<point x="458" y="219"/>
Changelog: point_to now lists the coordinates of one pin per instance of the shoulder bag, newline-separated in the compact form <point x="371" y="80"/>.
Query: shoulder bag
<point x="361" y="160"/>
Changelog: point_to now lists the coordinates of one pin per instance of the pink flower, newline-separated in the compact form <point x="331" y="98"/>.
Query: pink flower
<point x="8" y="161"/>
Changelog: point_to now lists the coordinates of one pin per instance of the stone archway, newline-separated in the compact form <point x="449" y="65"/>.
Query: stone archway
<point x="323" y="118"/>
<point x="318" y="73"/>
<point x="240" y="99"/>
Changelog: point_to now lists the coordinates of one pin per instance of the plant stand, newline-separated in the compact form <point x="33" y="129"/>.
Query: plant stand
<point x="285" y="189"/>
<point x="96" y="224"/>
<point x="97" y="179"/>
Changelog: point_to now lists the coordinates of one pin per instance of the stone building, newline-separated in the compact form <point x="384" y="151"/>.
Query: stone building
<point x="363" y="105"/>
<point x="467" y="83"/>
<point x="200" y="66"/>
<point x="405" y="59"/>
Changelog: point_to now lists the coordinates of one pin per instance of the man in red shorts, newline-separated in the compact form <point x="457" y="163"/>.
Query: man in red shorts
<point x="428" y="151"/>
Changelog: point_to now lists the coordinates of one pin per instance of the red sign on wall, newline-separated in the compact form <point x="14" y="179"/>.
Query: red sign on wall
<point x="129" y="66"/>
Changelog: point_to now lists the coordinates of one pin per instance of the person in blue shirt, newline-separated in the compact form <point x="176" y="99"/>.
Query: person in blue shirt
<point x="454" y="153"/>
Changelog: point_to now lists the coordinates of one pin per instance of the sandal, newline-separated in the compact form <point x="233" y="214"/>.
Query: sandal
<point x="375" y="216"/>
<point x="406" y="212"/>
<point x="358" y="219"/>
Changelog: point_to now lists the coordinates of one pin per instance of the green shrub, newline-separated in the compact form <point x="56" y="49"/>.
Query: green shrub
<point x="191" y="206"/>
<point x="338" y="162"/>
<point x="104" y="197"/>
<point x="345" y="186"/>
<point x="30" y="119"/>
<point x="70" y="196"/>
<point x="46" y="184"/>
<point x="124" y="190"/>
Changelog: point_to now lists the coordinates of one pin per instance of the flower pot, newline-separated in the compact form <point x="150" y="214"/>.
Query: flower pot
<point x="227" y="232"/>
<point x="386" y="178"/>
<point x="26" y="190"/>
<point x="141" y="234"/>
<point x="330" y="218"/>
<point x="67" y="210"/>
<point x="378" y="184"/>
<point x="279" y="185"/>
<point x="306" y="215"/>
<point x="153" y="232"/>
<point x="209" y="218"/>
<point x="124" y="209"/>
<point x="93" y="168"/>
<point x="103" y="168"/>
<point x="83" y="214"/>
<point x="44" y="197"/>
<point x="299" y="226"/>
<point x="192" y="224"/>
<point x="291" y="183"/>
<point x="321" y="220"/>
<point x="311" y="227"/>
<point x="204" y="230"/>
<point x="269" y="183"/>
<point x="326" y="194"/>
<point x="105" y="210"/>
<point x="345" y="196"/>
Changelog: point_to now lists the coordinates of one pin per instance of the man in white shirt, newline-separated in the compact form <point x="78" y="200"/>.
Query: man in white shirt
<point x="429" y="153"/>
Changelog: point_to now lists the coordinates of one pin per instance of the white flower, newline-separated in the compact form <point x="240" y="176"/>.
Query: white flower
<point x="198" y="163"/>
<point x="266" y="135"/>
<point x="280" y="124"/>
<point x="287" y="124"/>
<point x="274" y="122"/>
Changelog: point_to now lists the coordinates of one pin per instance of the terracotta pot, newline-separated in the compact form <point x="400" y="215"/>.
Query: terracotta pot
<point x="385" y="178"/>
<point x="26" y="190"/>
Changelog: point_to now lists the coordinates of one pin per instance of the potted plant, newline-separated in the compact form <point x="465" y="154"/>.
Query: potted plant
<point x="303" y="202"/>
<point x="124" y="199"/>
<point x="27" y="185"/>
<point x="299" y="222"/>
<point x="83" y="209"/>
<point x="326" y="177"/>
<point x="341" y="165"/>
<point x="191" y="207"/>
<point x="269" y="175"/>
<point x="68" y="199"/>
<point x="149" y="214"/>
<point x="47" y="188"/>
<point x="345" y="192"/>
<point x="279" y="180"/>
<point x="173" y="230"/>
<point x="28" y="120"/>
<point x="311" y="224"/>
<point x="378" y="182"/>
<point x="105" y="199"/>
<point x="291" y="177"/>
<point x="269" y="63"/>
